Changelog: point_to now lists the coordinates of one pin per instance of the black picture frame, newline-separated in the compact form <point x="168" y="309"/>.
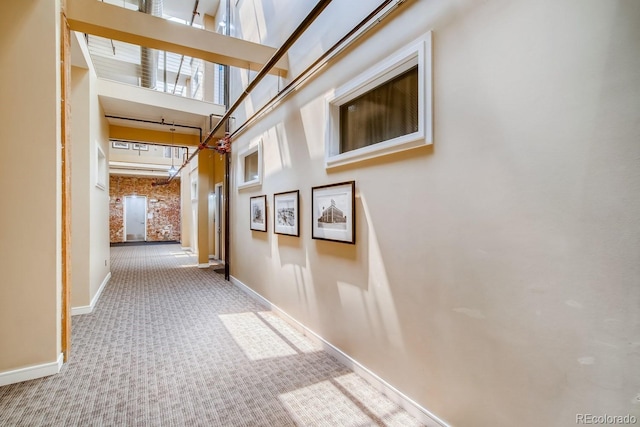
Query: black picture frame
<point x="258" y="213"/>
<point x="333" y="210"/>
<point x="286" y="213"/>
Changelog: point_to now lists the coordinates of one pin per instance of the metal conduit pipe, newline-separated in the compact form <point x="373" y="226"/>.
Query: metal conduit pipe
<point x="356" y="32"/>
<point x="306" y="22"/>
<point x="163" y="123"/>
<point x="374" y="18"/>
<point x="227" y="160"/>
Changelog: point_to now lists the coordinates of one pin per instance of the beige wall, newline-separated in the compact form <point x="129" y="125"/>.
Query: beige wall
<point x="30" y="238"/>
<point x="205" y="187"/>
<point x="99" y="205"/>
<point x="80" y="187"/>
<point x="495" y="279"/>
<point x="207" y="168"/>
<point x="185" y="207"/>
<point x="90" y="204"/>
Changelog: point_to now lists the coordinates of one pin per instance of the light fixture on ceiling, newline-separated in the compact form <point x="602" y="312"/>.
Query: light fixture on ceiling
<point x="172" y="170"/>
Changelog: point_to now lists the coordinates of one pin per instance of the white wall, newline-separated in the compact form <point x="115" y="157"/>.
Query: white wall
<point x="495" y="279"/>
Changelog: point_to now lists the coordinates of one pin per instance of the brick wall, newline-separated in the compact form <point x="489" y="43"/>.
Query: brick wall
<point x="163" y="207"/>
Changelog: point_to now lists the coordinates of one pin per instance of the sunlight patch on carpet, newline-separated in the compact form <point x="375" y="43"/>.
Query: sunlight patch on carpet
<point x="322" y="404"/>
<point x="255" y="338"/>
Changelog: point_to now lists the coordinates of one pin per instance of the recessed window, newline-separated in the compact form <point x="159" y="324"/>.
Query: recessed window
<point x="101" y="168"/>
<point x="250" y="166"/>
<point x="385" y="110"/>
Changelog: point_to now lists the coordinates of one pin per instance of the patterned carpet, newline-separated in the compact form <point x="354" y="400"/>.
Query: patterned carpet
<point x="170" y="344"/>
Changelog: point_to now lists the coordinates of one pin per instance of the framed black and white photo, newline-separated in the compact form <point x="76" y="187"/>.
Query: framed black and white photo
<point x="258" y="213"/>
<point x="333" y="212"/>
<point x="120" y="144"/>
<point x="286" y="208"/>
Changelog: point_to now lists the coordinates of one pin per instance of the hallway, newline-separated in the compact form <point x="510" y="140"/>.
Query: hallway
<point x="171" y="344"/>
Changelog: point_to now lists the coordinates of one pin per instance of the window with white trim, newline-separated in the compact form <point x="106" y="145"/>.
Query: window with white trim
<point x="101" y="168"/>
<point x="384" y="110"/>
<point x="250" y="166"/>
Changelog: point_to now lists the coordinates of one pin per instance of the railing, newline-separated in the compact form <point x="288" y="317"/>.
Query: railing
<point x="153" y="69"/>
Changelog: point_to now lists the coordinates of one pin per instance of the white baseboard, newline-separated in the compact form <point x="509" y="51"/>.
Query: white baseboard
<point x="185" y="248"/>
<point x="413" y="408"/>
<point x="31" y="372"/>
<point x="86" y="309"/>
<point x="203" y="265"/>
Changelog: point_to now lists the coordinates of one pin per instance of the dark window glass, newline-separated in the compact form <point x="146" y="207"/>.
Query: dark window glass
<point x="386" y="112"/>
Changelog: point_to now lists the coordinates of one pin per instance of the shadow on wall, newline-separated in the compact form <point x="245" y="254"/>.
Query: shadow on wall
<point x="340" y="284"/>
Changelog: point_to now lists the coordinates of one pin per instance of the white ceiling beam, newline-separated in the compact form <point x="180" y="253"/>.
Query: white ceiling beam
<point x="113" y="22"/>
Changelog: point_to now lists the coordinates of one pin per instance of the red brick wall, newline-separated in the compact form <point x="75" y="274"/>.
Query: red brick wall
<point x="163" y="201"/>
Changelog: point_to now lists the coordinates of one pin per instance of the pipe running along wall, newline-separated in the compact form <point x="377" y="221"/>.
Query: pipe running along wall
<point x="163" y="123"/>
<point x="371" y="20"/>
<point x="375" y="17"/>
<point x="306" y="22"/>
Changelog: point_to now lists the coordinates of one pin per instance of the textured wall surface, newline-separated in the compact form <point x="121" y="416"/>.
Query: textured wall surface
<point x="163" y="207"/>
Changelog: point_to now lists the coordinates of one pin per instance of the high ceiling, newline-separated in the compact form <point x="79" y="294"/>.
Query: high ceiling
<point x="120" y="62"/>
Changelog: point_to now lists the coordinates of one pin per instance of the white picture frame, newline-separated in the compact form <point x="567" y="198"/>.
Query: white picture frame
<point x="120" y="145"/>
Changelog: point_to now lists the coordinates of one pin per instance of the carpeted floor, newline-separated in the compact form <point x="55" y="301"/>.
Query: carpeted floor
<point x="170" y="344"/>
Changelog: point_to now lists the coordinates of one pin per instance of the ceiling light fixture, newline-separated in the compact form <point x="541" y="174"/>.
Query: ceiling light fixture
<point x="172" y="170"/>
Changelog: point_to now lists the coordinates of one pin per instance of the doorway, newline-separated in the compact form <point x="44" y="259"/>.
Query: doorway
<point x="135" y="218"/>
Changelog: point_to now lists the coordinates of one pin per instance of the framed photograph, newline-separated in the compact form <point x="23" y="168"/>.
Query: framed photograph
<point x="120" y="144"/>
<point x="141" y="147"/>
<point x="333" y="212"/>
<point x="258" y="213"/>
<point x="286" y="208"/>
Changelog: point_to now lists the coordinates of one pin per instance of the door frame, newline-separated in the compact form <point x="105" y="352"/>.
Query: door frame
<point x="124" y="216"/>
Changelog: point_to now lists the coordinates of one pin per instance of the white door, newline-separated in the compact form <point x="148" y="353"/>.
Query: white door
<point x="135" y="218"/>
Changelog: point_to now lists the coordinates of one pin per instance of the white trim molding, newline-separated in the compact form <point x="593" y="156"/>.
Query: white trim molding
<point x="31" y="372"/>
<point x="416" y="53"/>
<point x="203" y="265"/>
<point x="423" y="415"/>
<point x="102" y="169"/>
<point x="86" y="309"/>
<point x="257" y="181"/>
